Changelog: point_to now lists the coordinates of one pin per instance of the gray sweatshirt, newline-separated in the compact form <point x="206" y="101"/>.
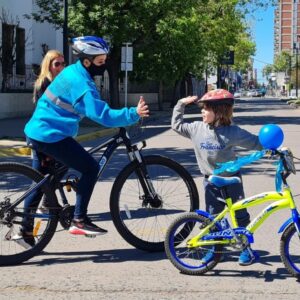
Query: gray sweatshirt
<point x="213" y="145"/>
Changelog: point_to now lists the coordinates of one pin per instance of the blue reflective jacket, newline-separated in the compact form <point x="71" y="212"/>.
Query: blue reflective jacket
<point x="68" y="98"/>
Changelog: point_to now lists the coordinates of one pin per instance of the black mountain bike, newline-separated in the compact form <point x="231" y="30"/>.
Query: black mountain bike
<point x="146" y="196"/>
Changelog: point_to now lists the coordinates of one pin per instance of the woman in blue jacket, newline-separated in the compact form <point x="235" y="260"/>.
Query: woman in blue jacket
<point x="55" y="123"/>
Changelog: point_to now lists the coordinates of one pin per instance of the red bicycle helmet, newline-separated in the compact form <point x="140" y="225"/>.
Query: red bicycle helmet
<point x="218" y="96"/>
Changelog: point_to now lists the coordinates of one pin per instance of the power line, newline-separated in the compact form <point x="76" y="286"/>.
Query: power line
<point x="266" y="63"/>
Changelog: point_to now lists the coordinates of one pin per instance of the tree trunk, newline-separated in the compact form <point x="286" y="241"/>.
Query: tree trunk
<point x="113" y="68"/>
<point x="176" y="93"/>
<point x="160" y="96"/>
<point x="189" y="82"/>
<point x="3" y="84"/>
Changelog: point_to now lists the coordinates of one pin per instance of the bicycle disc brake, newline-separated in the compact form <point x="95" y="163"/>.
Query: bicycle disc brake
<point x="152" y="202"/>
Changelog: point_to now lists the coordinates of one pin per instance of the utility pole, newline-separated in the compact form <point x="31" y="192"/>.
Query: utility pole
<point x="65" y="32"/>
<point x="297" y="49"/>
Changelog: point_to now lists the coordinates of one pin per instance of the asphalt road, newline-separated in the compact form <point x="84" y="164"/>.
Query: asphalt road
<point x="108" y="268"/>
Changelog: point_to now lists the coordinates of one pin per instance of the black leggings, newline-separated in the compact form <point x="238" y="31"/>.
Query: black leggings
<point x="214" y="206"/>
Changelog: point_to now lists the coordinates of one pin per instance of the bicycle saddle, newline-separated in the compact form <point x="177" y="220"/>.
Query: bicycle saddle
<point x="220" y="181"/>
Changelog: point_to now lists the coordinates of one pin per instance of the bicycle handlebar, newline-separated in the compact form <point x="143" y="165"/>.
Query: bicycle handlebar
<point x="285" y="165"/>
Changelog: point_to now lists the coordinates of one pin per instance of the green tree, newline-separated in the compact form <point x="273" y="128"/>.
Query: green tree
<point x="244" y="49"/>
<point x="267" y="70"/>
<point x="282" y="62"/>
<point x="171" y="38"/>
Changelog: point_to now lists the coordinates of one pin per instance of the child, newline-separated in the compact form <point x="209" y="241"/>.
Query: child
<point x="214" y="140"/>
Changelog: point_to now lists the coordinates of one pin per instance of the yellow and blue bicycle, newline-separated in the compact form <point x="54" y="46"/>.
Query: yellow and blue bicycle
<point x="192" y="235"/>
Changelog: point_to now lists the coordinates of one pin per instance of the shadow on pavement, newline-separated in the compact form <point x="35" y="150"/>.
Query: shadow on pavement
<point x="101" y="256"/>
<point x="267" y="275"/>
<point x="123" y="255"/>
<point x="185" y="157"/>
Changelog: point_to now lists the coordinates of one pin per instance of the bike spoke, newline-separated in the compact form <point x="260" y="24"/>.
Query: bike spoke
<point x="13" y="242"/>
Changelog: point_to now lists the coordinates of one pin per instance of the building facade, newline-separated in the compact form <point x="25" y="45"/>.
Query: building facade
<point x="286" y="26"/>
<point x="23" y="42"/>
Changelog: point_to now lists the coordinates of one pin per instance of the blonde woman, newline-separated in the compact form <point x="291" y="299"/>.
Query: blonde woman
<point x="52" y="63"/>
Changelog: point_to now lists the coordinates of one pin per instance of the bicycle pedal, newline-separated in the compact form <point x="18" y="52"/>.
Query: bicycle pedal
<point x="92" y="236"/>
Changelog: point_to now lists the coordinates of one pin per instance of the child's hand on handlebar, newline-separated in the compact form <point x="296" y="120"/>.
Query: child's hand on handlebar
<point x="142" y="108"/>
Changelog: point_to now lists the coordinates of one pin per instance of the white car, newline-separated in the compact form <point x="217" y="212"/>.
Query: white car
<point x="251" y="93"/>
<point x="237" y="95"/>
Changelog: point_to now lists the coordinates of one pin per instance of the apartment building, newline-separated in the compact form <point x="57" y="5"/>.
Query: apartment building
<point x="286" y="26"/>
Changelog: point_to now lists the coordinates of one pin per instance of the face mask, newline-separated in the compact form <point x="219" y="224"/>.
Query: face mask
<point x="96" y="70"/>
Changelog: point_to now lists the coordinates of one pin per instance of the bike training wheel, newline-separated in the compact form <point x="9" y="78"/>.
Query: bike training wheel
<point x="190" y="260"/>
<point x="290" y="250"/>
<point x="15" y="180"/>
<point x="143" y="225"/>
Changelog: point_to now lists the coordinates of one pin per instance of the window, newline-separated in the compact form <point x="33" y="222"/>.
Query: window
<point x="7" y="48"/>
<point x="20" y="51"/>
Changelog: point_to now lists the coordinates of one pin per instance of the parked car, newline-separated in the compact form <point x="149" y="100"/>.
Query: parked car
<point x="254" y="93"/>
<point x="257" y="93"/>
<point x="237" y="94"/>
<point x="263" y="91"/>
<point x="250" y="93"/>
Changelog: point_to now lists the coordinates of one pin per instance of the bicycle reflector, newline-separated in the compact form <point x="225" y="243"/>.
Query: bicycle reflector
<point x="271" y="136"/>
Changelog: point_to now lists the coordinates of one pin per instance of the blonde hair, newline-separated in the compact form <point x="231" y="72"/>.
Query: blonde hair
<point x="45" y="67"/>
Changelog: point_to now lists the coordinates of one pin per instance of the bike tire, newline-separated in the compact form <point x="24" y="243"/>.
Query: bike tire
<point x="15" y="180"/>
<point x="144" y="227"/>
<point x="289" y="250"/>
<point x="186" y="259"/>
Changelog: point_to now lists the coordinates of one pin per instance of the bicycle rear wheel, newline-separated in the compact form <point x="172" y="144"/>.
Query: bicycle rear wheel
<point x="290" y="250"/>
<point x="187" y="259"/>
<point x="15" y="180"/>
<point x="141" y="224"/>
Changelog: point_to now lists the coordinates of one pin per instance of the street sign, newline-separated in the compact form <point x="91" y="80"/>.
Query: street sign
<point x="126" y="67"/>
<point x="127" y="54"/>
<point x="126" y="64"/>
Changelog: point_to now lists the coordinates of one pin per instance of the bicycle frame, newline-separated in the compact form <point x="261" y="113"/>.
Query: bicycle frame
<point x="280" y="201"/>
<point x="134" y="154"/>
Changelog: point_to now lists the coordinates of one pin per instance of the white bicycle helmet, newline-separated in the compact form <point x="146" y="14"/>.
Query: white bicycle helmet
<point x="87" y="46"/>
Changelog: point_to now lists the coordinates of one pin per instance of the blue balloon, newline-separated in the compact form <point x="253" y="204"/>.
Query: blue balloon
<point x="271" y="136"/>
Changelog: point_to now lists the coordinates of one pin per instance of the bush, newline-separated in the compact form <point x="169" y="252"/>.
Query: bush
<point x="294" y="102"/>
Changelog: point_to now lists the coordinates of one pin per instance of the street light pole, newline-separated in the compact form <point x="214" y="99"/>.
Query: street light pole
<point x="65" y="32"/>
<point x="297" y="49"/>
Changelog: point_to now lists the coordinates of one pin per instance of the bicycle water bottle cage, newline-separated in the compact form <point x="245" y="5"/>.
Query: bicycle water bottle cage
<point x="220" y="181"/>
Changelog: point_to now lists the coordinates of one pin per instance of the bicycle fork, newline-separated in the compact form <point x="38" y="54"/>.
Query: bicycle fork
<point x="150" y="196"/>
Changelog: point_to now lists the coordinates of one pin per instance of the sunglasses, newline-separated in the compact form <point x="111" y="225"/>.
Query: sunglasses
<point x="58" y="64"/>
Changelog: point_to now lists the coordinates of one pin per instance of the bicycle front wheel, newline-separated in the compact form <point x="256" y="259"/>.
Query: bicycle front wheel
<point x="143" y="225"/>
<point x="16" y="180"/>
<point x="290" y="250"/>
<point x="188" y="259"/>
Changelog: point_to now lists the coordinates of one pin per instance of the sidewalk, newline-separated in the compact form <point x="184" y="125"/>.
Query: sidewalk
<point x="12" y="137"/>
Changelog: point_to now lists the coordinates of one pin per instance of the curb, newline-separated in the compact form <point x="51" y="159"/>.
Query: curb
<point x="19" y="150"/>
<point x="26" y="151"/>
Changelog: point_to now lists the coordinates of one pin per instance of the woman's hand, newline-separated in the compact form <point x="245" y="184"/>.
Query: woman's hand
<point x="189" y="99"/>
<point x="142" y="108"/>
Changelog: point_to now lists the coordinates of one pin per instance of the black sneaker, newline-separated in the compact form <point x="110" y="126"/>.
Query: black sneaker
<point x="85" y="227"/>
<point x="24" y="239"/>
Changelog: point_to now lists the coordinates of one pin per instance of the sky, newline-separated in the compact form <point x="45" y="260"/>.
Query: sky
<point x="262" y="25"/>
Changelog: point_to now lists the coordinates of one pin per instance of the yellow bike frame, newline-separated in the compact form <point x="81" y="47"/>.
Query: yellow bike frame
<point x="280" y="201"/>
